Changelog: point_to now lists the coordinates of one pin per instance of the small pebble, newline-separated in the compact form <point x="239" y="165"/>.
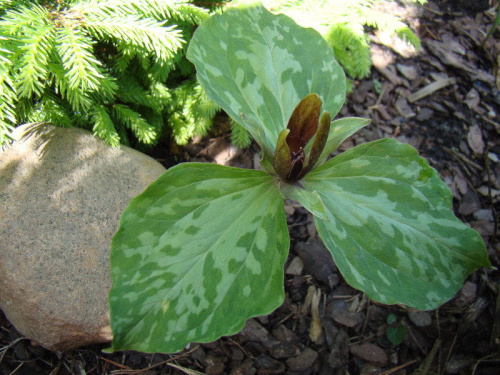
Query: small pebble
<point x="420" y="318"/>
<point x="295" y="267"/>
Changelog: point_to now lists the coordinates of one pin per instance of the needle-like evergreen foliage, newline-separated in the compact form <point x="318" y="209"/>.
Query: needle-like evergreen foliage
<point x="107" y="66"/>
<point x="343" y="24"/>
<point x="117" y="67"/>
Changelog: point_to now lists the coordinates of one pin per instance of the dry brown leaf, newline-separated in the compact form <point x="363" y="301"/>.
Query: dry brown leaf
<point x="472" y="99"/>
<point x="316" y="329"/>
<point x="475" y="139"/>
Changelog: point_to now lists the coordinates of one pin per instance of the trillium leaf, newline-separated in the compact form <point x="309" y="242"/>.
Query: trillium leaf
<point x="197" y="253"/>
<point x="309" y="199"/>
<point x="340" y="130"/>
<point x="258" y="66"/>
<point x="391" y="230"/>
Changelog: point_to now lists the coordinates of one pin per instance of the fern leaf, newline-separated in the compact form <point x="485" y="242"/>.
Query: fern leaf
<point x="32" y="37"/>
<point x="132" y="91"/>
<point x="240" y="137"/>
<point x="32" y="65"/>
<point x="192" y="112"/>
<point x="407" y="35"/>
<point x="161" y="92"/>
<point x="144" y="34"/>
<point x="104" y="127"/>
<point x="54" y="111"/>
<point x="7" y="104"/>
<point x="145" y="132"/>
<point x="182" y="130"/>
<point x="7" y="91"/>
<point x="176" y="10"/>
<point x="79" y="100"/>
<point x="75" y="51"/>
<point x="22" y="20"/>
<point x="123" y="59"/>
<point x="392" y="25"/>
<point x="352" y="48"/>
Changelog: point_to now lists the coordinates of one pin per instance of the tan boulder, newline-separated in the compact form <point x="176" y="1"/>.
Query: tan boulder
<point x="62" y="192"/>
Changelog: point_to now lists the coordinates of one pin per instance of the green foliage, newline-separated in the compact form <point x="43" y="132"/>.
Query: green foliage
<point x="343" y="24"/>
<point x="396" y="331"/>
<point x="191" y="111"/>
<point x="202" y="249"/>
<point x="239" y="135"/>
<point x="101" y="65"/>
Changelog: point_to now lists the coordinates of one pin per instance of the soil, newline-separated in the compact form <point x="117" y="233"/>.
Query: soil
<point x="324" y="326"/>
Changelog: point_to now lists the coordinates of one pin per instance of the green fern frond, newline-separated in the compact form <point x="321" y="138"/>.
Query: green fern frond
<point x="22" y="20"/>
<point x="7" y="88"/>
<point x="161" y="69"/>
<point x="102" y="65"/>
<point x="9" y="4"/>
<point x="103" y="9"/>
<point x="191" y="111"/>
<point x="198" y="104"/>
<point x="392" y="25"/>
<point x="240" y="137"/>
<point x="161" y="92"/>
<point x="104" y="127"/>
<point x="79" y="100"/>
<point x="7" y="105"/>
<point x="28" y="35"/>
<point x="132" y="91"/>
<point x="76" y="52"/>
<point x="54" y="111"/>
<point x="81" y="74"/>
<point x="182" y="131"/>
<point x="148" y="36"/>
<point x="32" y="64"/>
<point x="176" y="10"/>
<point x="407" y="35"/>
<point x="351" y="48"/>
<point x="123" y="59"/>
<point x="145" y="132"/>
<point x="107" y="90"/>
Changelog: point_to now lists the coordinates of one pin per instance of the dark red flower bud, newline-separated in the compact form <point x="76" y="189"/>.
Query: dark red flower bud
<point x="290" y="161"/>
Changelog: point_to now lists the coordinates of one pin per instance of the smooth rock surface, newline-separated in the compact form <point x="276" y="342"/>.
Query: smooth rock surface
<point x="62" y="192"/>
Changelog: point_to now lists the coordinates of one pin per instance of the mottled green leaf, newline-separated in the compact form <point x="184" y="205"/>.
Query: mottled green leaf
<point x="258" y="66"/>
<point x="309" y="199"/>
<point x="391" y="230"/>
<point x="340" y="130"/>
<point x="196" y="255"/>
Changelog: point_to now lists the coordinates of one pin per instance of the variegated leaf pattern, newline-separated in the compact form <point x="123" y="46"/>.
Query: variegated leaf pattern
<point x="390" y="227"/>
<point x="196" y="254"/>
<point x="340" y="130"/>
<point x="258" y="66"/>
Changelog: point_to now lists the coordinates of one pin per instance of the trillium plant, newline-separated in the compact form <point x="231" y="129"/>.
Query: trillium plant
<point x="202" y="249"/>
